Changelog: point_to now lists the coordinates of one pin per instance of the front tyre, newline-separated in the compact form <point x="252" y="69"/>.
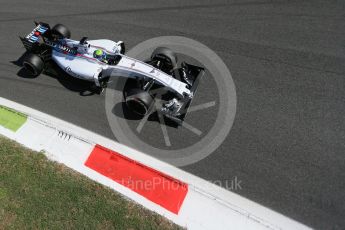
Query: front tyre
<point x="166" y="59"/>
<point x="61" y="31"/>
<point x="33" y="64"/>
<point x="122" y="47"/>
<point x="139" y="101"/>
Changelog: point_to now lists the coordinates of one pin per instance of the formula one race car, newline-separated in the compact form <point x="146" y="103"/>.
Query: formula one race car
<point x="99" y="60"/>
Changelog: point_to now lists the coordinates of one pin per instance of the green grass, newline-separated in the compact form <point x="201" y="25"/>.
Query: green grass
<point x="39" y="194"/>
<point x="11" y="119"/>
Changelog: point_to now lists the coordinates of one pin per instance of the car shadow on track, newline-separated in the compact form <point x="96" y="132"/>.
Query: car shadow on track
<point x="84" y="88"/>
<point x="121" y="110"/>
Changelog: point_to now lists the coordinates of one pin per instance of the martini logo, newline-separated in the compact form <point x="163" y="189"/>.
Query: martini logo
<point x="61" y="47"/>
<point x="35" y="33"/>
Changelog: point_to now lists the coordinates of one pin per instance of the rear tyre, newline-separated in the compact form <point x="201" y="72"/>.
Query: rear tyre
<point x="33" y="64"/>
<point x="166" y="57"/>
<point x="61" y="31"/>
<point x="139" y="101"/>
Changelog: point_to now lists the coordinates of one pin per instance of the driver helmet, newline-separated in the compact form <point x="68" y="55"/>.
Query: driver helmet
<point x="99" y="54"/>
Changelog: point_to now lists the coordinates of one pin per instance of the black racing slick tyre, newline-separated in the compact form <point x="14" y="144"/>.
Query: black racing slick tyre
<point x="166" y="56"/>
<point x="61" y="31"/>
<point x="33" y="64"/>
<point x="139" y="101"/>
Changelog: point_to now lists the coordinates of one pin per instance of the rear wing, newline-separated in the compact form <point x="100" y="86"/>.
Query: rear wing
<point x="31" y="41"/>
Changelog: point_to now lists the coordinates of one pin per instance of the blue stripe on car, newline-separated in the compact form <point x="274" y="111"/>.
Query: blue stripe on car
<point x="34" y="38"/>
<point x="41" y="30"/>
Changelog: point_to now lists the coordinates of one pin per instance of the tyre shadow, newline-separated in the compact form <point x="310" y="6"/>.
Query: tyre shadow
<point x="121" y="110"/>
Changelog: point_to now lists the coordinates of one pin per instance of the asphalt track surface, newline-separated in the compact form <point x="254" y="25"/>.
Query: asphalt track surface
<point x="286" y="59"/>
